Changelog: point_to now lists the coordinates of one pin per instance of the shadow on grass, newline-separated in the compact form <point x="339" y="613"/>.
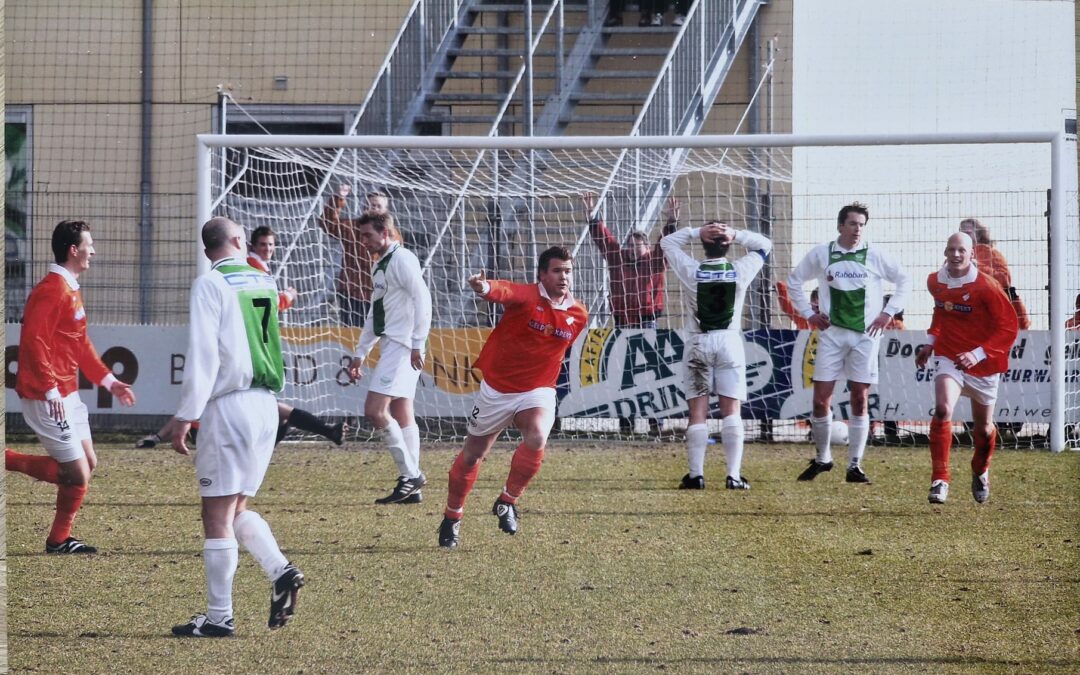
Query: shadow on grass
<point x="729" y="662"/>
<point x="763" y="513"/>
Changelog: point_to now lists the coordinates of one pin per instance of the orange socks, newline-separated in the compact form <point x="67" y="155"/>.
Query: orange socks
<point x="462" y="479"/>
<point x="68" y="500"/>
<point x="940" y="444"/>
<point x="523" y="466"/>
<point x="984" y="449"/>
<point x="40" y="467"/>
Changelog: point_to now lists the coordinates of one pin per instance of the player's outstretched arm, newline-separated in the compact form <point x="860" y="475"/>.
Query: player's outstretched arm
<point x="478" y="282"/>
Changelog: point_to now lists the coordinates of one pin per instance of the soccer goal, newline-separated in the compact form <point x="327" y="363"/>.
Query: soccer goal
<point x="465" y="204"/>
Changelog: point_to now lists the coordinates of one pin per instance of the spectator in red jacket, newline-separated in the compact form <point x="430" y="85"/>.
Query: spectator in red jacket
<point x="636" y="269"/>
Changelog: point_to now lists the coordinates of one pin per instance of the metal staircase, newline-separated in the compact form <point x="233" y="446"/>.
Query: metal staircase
<point x="469" y="67"/>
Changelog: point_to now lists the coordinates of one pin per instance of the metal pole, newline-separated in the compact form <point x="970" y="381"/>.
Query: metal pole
<point x="528" y="105"/>
<point x="146" y="222"/>
<point x="626" y="142"/>
<point x="203" y="210"/>
<point x="1058" y="291"/>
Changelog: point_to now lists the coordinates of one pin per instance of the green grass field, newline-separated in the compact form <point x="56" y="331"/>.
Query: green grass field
<point x="614" y="569"/>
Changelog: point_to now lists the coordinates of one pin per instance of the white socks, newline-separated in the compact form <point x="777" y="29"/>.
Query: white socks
<point x="697" y="438"/>
<point x="255" y="535"/>
<point x="412" y="450"/>
<point x="731" y="434"/>
<point x="858" y="431"/>
<point x="219" y="558"/>
<point x="821" y="430"/>
<point x="395" y="440"/>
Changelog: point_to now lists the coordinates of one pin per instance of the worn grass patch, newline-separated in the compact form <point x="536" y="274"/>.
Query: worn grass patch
<point x="614" y="569"/>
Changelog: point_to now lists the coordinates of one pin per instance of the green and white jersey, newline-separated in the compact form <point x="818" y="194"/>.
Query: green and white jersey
<point x="400" y="302"/>
<point x="716" y="288"/>
<point x="850" y="288"/>
<point x="233" y="337"/>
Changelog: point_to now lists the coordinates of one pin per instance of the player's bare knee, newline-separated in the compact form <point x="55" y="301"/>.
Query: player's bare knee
<point x="74" y="473"/>
<point x="942" y="412"/>
<point x="822" y="406"/>
<point x="377" y="415"/>
<point x="534" y="439"/>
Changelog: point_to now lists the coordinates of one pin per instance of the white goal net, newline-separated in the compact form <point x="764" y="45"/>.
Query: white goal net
<point x="495" y="205"/>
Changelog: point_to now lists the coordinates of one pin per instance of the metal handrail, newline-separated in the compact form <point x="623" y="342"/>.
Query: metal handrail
<point x="681" y="87"/>
<point x="493" y="130"/>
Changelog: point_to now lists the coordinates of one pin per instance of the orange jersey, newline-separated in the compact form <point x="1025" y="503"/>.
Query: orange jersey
<point x="974" y="313"/>
<point x="526" y="349"/>
<point x="784" y="298"/>
<point x="53" y="345"/>
<point x="284" y="299"/>
<point x="991" y="261"/>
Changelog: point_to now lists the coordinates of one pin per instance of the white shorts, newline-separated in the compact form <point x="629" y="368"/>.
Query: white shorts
<point x="493" y="411"/>
<point x="844" y="354"/>
<point x="62" y="440"/>
<point x="394" y="375"/>
<point x="715" y="363"/>
<point x="982" y="390"/>
<point x="236" y="440"/>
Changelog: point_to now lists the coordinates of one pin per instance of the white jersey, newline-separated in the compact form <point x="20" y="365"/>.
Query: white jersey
<point x="400" y="302"/>
<point x="233" y="337"/>
<point x="850" y="290"/>
<point x="716" y="288"/>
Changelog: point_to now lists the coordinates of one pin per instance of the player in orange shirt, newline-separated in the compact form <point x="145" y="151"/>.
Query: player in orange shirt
<point x="1074" y="322"/>
<point x="260" y="251"/>
<point x="973" y="329"/>
<point x="992" y="261"/>
<point x="783" y="297"/>
<point x="520" y="362"/>
<point x="53" y="348"/>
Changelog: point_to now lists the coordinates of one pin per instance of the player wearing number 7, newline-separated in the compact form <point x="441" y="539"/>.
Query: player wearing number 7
<point x="520" y="362"/>
<point x="53" y="348"/>
<point x="233" y="366"/>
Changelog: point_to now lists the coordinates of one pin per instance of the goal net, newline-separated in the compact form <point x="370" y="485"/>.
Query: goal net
<point x="466" y="205"/>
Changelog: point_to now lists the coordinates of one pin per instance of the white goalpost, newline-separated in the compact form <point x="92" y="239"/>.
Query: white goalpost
<point x="470" y="203"/>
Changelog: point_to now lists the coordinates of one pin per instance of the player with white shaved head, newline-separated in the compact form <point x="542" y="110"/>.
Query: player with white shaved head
<point x="973" y="329"/>
<point x="233" y="367"/>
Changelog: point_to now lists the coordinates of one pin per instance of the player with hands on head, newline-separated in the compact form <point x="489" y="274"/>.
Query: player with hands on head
<point x="520" y="363"/>
<point x="972" y="330"/>
<point x="714" y="356"/>
<point x="53" y="348"/>
<point x="399" y="320"/>
<point x="850" y="317"/>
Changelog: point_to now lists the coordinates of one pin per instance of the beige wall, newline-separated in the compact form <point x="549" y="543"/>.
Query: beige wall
<point x="77" y="65"/>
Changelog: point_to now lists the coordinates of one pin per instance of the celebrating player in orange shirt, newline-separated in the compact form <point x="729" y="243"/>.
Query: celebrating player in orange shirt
<point x="53" y="348"/>
<point x="973" y="329"/>
<point x="520" y="362"/>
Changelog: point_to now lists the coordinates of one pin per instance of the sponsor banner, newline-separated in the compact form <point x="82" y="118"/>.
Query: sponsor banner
<point x="607" y="373"/>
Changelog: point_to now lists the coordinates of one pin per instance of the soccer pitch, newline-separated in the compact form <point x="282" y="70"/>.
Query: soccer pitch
<point x="614" y="570"/>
